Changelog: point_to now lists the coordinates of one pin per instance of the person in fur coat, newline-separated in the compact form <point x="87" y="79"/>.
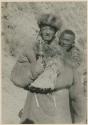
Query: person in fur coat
<point x="58" y="99"/>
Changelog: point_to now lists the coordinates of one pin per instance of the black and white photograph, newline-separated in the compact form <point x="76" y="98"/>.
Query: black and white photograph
<point x="44" y="62"/>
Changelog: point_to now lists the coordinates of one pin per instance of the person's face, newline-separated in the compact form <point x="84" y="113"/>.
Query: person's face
<point x="47" y="33"/>
<point x="66" y="41"/>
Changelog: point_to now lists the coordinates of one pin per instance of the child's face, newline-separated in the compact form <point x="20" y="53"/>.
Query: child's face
<point x="47" y="33"/>
<point x="66" y="41"/>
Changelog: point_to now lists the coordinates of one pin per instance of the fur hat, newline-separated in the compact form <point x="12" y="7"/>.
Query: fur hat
<point x="50" y="20"/>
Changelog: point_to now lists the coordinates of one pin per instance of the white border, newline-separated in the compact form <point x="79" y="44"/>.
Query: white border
<point x="44" y="0"/>
<point x="0" y="43"/>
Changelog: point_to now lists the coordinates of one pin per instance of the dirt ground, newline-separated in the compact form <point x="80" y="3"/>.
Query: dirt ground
<point x="18" y="27"/>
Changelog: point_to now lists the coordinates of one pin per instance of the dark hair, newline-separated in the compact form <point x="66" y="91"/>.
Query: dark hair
<point x="67" y="32"/>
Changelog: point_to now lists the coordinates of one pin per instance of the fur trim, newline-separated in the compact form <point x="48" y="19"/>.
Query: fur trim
<point x="50" y="20"/>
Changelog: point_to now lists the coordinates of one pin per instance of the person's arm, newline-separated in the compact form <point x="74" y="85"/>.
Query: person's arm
<point x="24" y="72"/>
<point x="61" y="85"/>
<point x="36" y="64"/>
<point x="77" y="99"/>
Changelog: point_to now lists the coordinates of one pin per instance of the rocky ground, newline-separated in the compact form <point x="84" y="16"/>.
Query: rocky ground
<point x="19" y="27"/>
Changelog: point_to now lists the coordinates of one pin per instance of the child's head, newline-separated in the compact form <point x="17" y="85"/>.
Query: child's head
<point x="67" y="39"/>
